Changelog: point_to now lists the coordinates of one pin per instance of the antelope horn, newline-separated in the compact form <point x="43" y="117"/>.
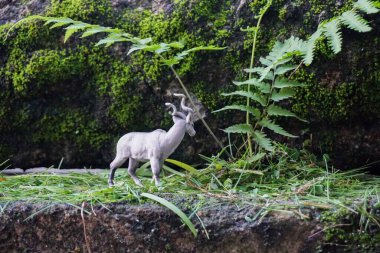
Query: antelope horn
<point x="175" y="112"/>
<point x="183" y="106"/>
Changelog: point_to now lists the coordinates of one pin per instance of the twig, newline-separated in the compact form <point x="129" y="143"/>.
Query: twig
<point x="84" y="229"/>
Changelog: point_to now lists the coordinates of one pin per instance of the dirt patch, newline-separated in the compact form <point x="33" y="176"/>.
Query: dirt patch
<point x="123" y="227"/>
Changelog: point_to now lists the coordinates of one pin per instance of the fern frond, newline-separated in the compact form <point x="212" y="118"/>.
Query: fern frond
<point x="242" y="108"/>
<point x="284" y="93"/>
<point x="366" y="6"/>
<point x="355" y="22"/>
<point x="97" y="29"/>
<point x="275" y="110"/>
<point x="283" y="69"/>
<point x="263" y="141"/>
<point x="308" y="50"/>
<point x="284" y="82"/>
<point x="239" y="129"/>
<point x="254" y="96"/>
<point x="262" y="86"/>
<point x="275" y="128"/>
<point x="333" y="34"/>
<point x="71" y="29"/>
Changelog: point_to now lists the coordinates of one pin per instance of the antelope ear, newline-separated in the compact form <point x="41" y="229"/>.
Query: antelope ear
<point x="188" y="118"/>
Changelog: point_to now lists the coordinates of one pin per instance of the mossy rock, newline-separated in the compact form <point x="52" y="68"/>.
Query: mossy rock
<point x="79" y="98"/>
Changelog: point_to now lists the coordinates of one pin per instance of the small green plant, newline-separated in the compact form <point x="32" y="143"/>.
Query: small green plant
<point x="272" y="80"/>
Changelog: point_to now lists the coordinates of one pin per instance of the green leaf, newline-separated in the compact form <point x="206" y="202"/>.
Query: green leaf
<point x="308" y="52"/>
<point x="171" y="62"/>
<point x="173" y="208"/>
<point x="265" y="73"/>
<point x="56" y="20"/>
<point x="176" y="44"/>
<point x="112" y="38"/>
<point x="256" y="157"/>
<point x="68" y="34"/>
<point x="182" y="165"/>
<point x="283" y="69"/>
<point x="70" y="30"/>
<point x="239" y="129"/>
<point x="257" y="70"/>
<point x="263" y="87"/>
<point x="254" y="96"/>
<point x="355" y="22"/>
<point x="284" y="93"/>
<point x="284" y="83"/>
<point x="334" y="35"/>
<point x="264" y="142"/>
<point x="256" y="172"/>
<point x="265" y="61"/>
<point x="98" y="29"/>
<point x="366" y="6"/>
<point x="274" y="110"/>
<point x="243" y="108"/>
<point x="275" y="128"/>
<point x="59" y="24"/>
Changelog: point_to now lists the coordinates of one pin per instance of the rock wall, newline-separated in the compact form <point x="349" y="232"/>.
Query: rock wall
<point x="74" y="100"/>
<point x="148" y="228"/>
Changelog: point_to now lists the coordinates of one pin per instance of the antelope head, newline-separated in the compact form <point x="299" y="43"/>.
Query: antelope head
<point x="186" y="115"/>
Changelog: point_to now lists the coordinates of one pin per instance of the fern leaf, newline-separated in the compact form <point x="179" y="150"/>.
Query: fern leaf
<point x="274" y="110"/>
<point x="366" y="6"/>
<point x="70" y="30"/>
<point x="96" y="30"/>
<point x="112" y="38"/>
<point x="284" y="93"/>
<point x="265" y="73"/>
<point x="265" y="61"/>
<point x="243" y="108"/>
<point x="355" y="22"/>
<point x="257" y="70"/>
<point x="239" y="129"/>
<point x="263" y="87"/>
<point x="59" y="24"/>
<point x="56" y="20"/>
<point x="176" y="44"/>
<point x="334" y="35"/>
<point x="275" y="128"/>
<point x="283" y="69"/>
<point x="308" y="52"/>
<point x="254" y="96"/>
<point x="284" y="83"/>
<point x="263" y="141"/>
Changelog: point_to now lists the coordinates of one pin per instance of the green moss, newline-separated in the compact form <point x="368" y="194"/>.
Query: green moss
<point x="84" y="10"/>
<point x="344" y="227"/>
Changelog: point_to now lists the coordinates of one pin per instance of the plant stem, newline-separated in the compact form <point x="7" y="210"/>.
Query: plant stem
<point x="256" y="31"/>
<point x="197" y="112"/>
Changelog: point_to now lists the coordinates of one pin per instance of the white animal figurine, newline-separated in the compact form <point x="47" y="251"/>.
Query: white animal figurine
<point x="153" y="146"/>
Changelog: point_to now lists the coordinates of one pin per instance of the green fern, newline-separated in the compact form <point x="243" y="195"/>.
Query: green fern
<point x="263" y="141"/>
<point x="366" y="6"/>
<point x="239" y="129"/>
<point x="275" y="128"/>
<point x="243" y="108"/>
<point x="354" y="21"/>
<point x="334" y="35"/>
<point x="308" y="50"/>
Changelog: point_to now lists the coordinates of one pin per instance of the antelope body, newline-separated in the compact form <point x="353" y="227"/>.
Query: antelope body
<point x="153" y="146"/>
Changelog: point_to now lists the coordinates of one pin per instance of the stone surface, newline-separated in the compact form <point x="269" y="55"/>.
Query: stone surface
<point x="151" y="228"/>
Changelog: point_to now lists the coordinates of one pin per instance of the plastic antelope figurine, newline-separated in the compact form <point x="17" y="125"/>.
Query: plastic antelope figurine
<point x="153" y="146"/>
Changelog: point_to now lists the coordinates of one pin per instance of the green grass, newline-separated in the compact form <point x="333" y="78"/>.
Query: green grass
<point x="286" y="181"/>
